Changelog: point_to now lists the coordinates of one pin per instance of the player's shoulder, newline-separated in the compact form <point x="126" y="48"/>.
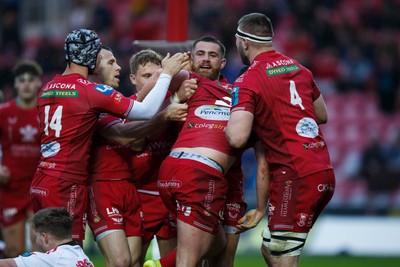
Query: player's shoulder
<point x="102" y="88"/>
<point x="5" y="105"/>
<point x="9" y="106"/>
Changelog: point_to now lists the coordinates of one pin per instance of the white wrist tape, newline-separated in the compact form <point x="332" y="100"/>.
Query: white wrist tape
<point x="153" y="101"/>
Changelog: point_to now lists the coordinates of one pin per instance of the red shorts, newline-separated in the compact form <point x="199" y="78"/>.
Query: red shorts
<point x="114" y="205"/>
<point x="294" y="205"/>
<point x="234" y="211"/>
<point x="15" y="203"/>
<point x="47" y="191"/>
<point x="157" y="218"/>
<point x="193" y="192"/>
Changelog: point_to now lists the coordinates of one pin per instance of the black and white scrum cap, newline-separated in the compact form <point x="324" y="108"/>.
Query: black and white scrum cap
<point x="253" y="38"/>
<point x="81" y="47"/>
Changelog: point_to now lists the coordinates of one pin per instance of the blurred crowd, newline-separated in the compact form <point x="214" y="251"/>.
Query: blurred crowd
<point x="349" y="45"/>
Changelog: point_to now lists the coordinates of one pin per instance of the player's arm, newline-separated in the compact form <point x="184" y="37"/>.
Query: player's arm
<point x="126" y="133"/>
<point x="8" y="263"/>
<point x="253" y="217"/>
<point x="320" y="110"/>
<point x="239" y="128"/>
<point x="154" y="99"/>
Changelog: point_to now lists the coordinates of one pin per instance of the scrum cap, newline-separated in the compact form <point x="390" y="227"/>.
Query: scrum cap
<point x="81" y="47"/>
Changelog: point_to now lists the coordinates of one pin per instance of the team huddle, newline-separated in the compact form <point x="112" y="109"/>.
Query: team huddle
<point x="165" y="162"/>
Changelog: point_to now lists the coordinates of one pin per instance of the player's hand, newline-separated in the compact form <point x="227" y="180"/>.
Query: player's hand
<point x="249" y="220"/>
<point x="176" y="112"/>
<point x="138" y="145"/>
<point x="4" y="174"/>
<point x="171" y="65"/>
<point x="187" y="89"/>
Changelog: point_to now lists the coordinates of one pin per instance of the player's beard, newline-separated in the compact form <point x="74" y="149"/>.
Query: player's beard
<point x="212" y="74"/>
<point x="245" y="59"/>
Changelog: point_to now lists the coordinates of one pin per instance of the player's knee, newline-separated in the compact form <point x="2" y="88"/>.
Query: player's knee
<point x="286" y="243"/>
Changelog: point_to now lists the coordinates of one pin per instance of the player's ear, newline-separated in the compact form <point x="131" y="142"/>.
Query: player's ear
<point x="223" y="63"/>
<point x="133" y="79"/>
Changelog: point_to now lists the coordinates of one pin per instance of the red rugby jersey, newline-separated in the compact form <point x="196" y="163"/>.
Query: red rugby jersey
<point x="20" y="141"/>
<point x="146" y="164"/>
<point x="280" y="93"/>
<point x="69" y="107"/>
<point x="208" y="115"/>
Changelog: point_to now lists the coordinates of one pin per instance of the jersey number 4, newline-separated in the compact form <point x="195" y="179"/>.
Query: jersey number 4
<point x="55" y="122"/>
<point x="295" y="99"/>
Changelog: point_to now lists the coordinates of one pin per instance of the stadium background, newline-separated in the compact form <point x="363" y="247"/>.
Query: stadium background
<point x="351" y="46"/>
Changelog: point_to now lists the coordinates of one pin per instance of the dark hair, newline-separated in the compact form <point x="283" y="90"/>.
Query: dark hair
<point x="257" y="24"/>
<point x="143" y="57"/>
<point x="55" y="221"/>
<point x="210" y="39"/>
<point x="106" y="48"/>
<point x="27" y="66"/>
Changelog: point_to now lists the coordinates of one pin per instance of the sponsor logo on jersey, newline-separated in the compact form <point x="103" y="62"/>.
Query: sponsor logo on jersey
<point x="112" y="212"/>
<point x="48" y="165"/>
<point x="307" y="127"/>
<point x="117" y="98"/>
<point x="211" y="112"/>
<point x="208" y="199"/>
<point x="50" y="149"/>
<point x="60" y="93"/>
<point x="8" y="213"/>
<point x="207" y="126"/>
<point x="104" y="89"/>
<point x="287" y="196"/>
<point x="28" y="133"/>
<point x="85" y="82"/>
<point x="282" y="70"/>
<point x="39" y="191"/>
<point x="170" y="184"/>
<point x="312" y="145"/>
<point x="325" y="187"/>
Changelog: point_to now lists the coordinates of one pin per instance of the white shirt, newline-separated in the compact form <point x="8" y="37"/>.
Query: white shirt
<point x="66" y="255"/>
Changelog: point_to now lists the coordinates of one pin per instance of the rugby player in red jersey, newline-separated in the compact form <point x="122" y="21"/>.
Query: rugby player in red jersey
<point x="20" y="149"/>
<point x="278" y="98"/>
<point x="69" y="107"/>
<point x="192" y="180"/>
<point x="147" y="157"/>
<point x="114" y="213"/>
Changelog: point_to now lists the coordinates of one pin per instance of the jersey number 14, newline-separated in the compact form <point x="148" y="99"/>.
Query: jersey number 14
<point x="55" y="121"/>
